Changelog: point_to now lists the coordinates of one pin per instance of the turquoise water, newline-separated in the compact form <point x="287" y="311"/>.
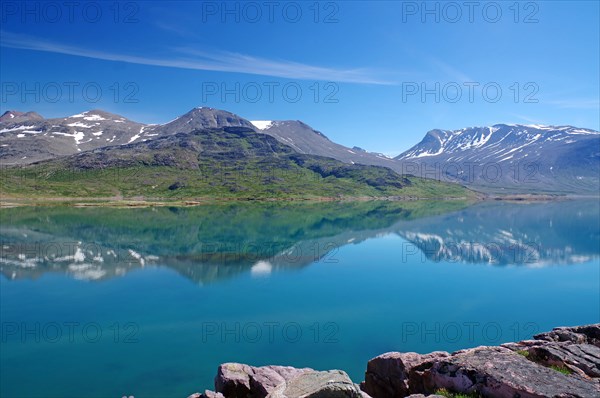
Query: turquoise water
<point x="148" y="302"/>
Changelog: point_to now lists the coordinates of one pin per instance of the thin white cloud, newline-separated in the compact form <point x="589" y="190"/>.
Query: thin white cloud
<point x="450" y="71"/>
<point x="201" y="60"/>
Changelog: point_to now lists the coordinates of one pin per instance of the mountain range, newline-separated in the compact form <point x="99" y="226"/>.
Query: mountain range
<point x="205" y="154"/>
<point x="498" y="159"/>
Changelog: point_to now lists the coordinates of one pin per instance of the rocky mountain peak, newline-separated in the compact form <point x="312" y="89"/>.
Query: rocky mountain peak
<point x="205" y="117"/>
<point x="17" y="116"/>
<point x="8" y="115"/>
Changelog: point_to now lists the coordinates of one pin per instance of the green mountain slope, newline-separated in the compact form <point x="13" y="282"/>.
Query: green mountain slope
<point x="232" y="162"/>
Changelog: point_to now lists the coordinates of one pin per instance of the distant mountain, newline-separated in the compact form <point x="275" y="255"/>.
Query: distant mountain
<point x="28" y="137"/>
<point x="506" y="158"/>
<point x="305" y="139"/>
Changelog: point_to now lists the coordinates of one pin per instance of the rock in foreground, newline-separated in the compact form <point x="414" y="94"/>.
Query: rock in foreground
<point x="235" y="380"/>
<point x="563" y="363"/>
<point x="330" y="384"/>
<point x="397" y="374"/>
<point x="500" y="372"/>
<point x="239" y="380"/>
<point x="575" y="350"/>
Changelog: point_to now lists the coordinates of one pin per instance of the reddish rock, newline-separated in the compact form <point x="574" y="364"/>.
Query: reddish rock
<point x="239" y="380"/>
<point x="396" y="374"/>
<point x="587" y="334"/>
<point x="500" y="372"/>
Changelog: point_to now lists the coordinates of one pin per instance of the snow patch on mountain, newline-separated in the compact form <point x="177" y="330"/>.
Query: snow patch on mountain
<point x="93" y="118"/>
<point x="424" y="154"/>
<point x="262" y="124"/>
<point x="78" y="136"/>
<point x="79" y="124"/>
<point x="16" y="129"/>
<point x="138" y="135"/>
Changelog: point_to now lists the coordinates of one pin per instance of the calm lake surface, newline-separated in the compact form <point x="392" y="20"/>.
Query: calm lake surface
<point x="104" y="302"/>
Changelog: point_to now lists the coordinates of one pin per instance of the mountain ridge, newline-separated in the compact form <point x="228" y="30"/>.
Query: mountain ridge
<point x="449" y="135"/>
<point x="232" y="162"/>
<point x="562" y="159"/>
<point x="512" y="157"/>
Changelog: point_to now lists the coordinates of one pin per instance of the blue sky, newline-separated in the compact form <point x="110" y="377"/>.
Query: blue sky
<point x="378" y="75"/>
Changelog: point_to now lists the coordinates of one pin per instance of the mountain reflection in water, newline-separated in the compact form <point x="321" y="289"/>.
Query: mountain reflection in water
<point x="214" y="242"/>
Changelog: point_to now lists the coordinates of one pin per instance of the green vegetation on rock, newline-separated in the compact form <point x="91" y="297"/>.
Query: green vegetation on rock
<point x="448" y="394"/>
<point x="561" y="369"/>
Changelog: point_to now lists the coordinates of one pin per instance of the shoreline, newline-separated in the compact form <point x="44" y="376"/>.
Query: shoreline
<point x="159" y="202"/>
<point x="7" y="202"/>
